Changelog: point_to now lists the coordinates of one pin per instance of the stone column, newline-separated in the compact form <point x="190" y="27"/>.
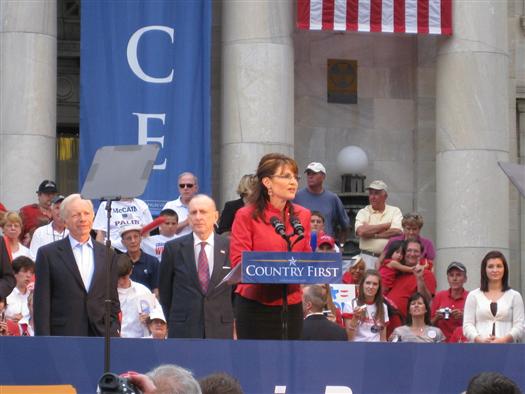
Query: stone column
<point x="257" y="86"/>
<point x="521" y="160"/>
<point x="472" y="135"/>
<point x="28" y="64"/>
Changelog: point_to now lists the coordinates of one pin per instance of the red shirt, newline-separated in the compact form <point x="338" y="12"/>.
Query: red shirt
<point x="405" y="285"/>
<point x="249" y="234"/>
<point x="348" y="278"/>
<point x="33" y="217"/>
<point x="388" y="275"/>
<point x="443" y="299"/>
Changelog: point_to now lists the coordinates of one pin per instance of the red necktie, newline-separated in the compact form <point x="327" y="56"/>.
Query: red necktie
<point x="25" y="331"/>
<point x="203" y="269"/>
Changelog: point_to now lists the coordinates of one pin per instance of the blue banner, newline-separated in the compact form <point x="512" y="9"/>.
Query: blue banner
<point x="145" y="79"/>
<point x="291" y="267"/>
<point x="286" y="367"/>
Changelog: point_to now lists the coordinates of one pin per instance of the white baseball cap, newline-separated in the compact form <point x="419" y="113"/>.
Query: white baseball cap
<point x="315" y="167"/>
<point x="378" y="185"/>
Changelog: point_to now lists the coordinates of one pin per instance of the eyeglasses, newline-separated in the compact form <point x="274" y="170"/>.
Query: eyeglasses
<point x="186" y="185"/>
<point x="287" y="177"/>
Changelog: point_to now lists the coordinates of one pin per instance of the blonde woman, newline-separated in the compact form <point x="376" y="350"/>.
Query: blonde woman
<point x="12" y="228"/>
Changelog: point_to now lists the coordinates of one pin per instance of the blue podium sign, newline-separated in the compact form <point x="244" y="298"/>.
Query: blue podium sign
<point x="291" y="267"/>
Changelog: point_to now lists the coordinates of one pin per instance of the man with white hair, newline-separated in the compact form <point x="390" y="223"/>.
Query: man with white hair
<point x="54" y="231"/>
<point x="70" y="286"/>
<point x="376" y="223"/>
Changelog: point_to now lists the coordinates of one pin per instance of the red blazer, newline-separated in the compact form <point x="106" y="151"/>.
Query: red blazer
<point x="249" y="234"/>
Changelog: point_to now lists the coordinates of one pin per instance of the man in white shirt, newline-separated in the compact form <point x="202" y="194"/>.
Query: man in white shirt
<point x="154" y="245"/>
<point x="126" y="212"/>
<point x="376" y="223"/>
<point x="188" y="187"/>
<point x="17" y="309"/>
<point x="51" y="232"/>
<point x="137" y="302"/>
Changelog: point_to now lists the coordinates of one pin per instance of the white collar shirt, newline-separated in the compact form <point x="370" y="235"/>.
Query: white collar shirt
<point x="84" y="258"/>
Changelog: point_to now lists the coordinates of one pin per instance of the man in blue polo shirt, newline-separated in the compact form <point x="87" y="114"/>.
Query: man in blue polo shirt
<point x="145" y="267"/>
<point x="316" y="198"/>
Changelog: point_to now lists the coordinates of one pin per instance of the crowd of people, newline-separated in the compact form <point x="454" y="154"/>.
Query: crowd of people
<point x="167" y="275"/>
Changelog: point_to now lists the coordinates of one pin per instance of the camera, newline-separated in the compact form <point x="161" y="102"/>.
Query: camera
<point x="446" y="312"/>
<point x="111" y="383"/>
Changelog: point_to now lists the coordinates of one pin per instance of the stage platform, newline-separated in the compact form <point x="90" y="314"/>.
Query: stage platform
<point x="291" y="367"/>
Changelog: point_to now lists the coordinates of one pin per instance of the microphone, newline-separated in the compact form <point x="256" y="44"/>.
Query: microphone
<point x="298" y="228"/>
<point x="278" y="226"/>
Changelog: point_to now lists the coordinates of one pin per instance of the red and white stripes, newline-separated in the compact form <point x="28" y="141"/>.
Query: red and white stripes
<point x="389" y="16"/>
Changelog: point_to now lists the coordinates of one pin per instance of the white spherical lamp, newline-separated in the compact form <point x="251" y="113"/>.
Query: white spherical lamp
<point x="352" y="160"/>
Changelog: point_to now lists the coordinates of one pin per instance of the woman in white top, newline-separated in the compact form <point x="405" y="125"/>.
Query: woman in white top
<point x="12" y="227"/>
<point x="494" y="312"/>
<point x="367" y="315"/>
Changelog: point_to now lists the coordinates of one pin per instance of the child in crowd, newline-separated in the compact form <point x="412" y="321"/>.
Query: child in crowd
<point x="154" y="245"/>
<point x="393" y="264"/>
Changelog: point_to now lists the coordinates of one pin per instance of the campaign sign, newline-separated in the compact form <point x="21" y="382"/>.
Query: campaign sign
<point x="342" y="294"/>
<point x="291" y="267"/>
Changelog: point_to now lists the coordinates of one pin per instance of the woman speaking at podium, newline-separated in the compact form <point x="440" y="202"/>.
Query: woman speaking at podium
<point x="258" y="307"/>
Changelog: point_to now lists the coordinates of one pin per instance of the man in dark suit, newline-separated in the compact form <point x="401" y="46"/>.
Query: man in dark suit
<point x="191" y="268"/>
<point x="316" y="327"/>
<point x="7" y="277"/>
<point x="70" y="286"/>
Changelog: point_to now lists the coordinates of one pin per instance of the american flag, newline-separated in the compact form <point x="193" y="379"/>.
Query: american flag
<point x="388" y="16"/>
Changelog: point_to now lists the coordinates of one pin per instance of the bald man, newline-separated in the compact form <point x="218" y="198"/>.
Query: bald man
<point x="191" y="268"/>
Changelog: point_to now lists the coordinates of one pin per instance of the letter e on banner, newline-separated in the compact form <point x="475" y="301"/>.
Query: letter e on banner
<point x="133" y="59"/>
<point x="143" y="134"/>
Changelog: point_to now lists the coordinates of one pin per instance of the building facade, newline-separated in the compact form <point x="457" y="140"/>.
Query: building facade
<point x="434" y="114"/>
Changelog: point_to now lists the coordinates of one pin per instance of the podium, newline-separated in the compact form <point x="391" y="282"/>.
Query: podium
<point x="291" y="268"/>
<point x="286" y="268"/>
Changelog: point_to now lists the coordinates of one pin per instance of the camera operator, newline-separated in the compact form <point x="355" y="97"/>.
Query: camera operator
<point x="448" y="305"/>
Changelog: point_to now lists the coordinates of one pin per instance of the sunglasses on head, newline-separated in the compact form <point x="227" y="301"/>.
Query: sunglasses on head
<point x="186" y="185"/>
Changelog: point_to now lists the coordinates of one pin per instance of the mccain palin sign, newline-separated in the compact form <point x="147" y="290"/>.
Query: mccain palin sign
<point x="145" y="79"/>
<point x="291" y="267"/>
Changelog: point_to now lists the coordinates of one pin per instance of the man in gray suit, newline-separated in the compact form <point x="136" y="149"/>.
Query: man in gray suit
<point x="191" y="268"/>
<point x="70" y="286"/>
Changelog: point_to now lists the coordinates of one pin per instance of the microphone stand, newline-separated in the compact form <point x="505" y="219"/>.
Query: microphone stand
<point x="284" y="311"/>
<point x="108" y="301"/>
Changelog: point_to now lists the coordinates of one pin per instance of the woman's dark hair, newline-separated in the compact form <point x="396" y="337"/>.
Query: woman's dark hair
<point x="494" y="254"/>
<point x="393" y="311"/>
<point x="492" y="383"/>
<point x="378" y="299"/>
<point x="268" y="166"/>
<point x="394" y="246"/>
<point x="413" y="297"/>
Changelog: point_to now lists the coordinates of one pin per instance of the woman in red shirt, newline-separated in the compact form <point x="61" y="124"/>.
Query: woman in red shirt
<point x="258" y="307"/>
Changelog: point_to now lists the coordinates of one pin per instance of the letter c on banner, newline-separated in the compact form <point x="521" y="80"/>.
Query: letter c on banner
<point x="132" y="55"/>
